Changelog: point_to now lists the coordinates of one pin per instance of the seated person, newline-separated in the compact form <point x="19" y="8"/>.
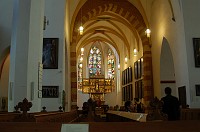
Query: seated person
<point x="85" y="108"/>
<point x="138" y="106"/>
<point x="171" y="105"/>
<point x="128" y="106"/>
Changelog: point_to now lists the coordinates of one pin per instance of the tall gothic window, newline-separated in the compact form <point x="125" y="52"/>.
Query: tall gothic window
<point x="111" y="64"/>
<point x="95" y="62"/>
<point x="80" y="75"/>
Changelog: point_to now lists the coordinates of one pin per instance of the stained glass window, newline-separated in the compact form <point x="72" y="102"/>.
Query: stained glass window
<point x="95" y="62"/>
<point x="80" y="75"/>
<point x="111" y="64"/>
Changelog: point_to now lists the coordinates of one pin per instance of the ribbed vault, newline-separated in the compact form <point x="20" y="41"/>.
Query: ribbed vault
<point x="120" y="11"/>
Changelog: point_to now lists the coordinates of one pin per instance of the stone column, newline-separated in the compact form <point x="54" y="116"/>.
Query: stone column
<point x="26" y="52"/>
<point x="73" y="69"/>
<point x="148" y="77"/>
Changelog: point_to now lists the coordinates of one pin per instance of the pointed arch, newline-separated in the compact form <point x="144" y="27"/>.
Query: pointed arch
<point x="131" y="14"/>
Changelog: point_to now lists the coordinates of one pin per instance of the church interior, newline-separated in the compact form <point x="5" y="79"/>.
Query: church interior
<point x="62" y="54"/>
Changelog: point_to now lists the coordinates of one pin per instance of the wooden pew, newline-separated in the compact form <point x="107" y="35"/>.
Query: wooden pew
<point x="160" y="126"/>
<point x="190" y="114"/>
<point x="29" y="127"/>
<point x="54" y="116"/>
<point x="154" y="114"/>
<point x="66" y="117"/>
<point x="8" y="116"/>
<point x="39" y="121"/>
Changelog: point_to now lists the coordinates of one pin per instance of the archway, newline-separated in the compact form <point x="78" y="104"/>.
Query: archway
<point x="128" y="13"/>
<point x="167" y="74"/>
<point x="4" y="84"/>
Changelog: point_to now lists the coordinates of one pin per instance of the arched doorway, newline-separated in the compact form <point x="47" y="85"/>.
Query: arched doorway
<point x="4" y="84"/>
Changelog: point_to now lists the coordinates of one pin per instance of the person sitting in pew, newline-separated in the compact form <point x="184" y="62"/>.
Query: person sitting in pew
<point x="128" y="106"/>
<point x="171" y="105"/>
<point x="138" y="106"/>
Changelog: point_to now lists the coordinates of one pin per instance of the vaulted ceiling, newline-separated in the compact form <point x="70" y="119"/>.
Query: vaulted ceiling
<point x="112" y="21"/>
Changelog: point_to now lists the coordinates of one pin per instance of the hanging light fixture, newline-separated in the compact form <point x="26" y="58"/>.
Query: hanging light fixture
<point x="81" y="59"/>
<point x="135" y="52"/>
<point x="81" y="65"/>
<point x="82" y="50"/>
<point x="126" y="60"/>
<point x="81" y="30"/>
<point x="148" y="31"/>
<point x="81" y="27"/>
<point x="118" y="66"/>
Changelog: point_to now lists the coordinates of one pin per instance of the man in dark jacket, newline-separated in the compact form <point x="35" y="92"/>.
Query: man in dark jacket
<point x="171" y="105"/>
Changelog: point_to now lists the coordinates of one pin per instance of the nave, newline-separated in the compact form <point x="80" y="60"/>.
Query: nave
<point x="54" y="121"/>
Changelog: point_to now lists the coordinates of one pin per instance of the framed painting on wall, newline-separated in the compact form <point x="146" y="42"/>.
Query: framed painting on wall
<point x="130" y="74"/>
<point x="125" y="72"/>
<point x="50" y="53"/>
<point x="127" y="75"/>
<point x="122" y="77"/>
<point x="139" y="68"/>
<point x="50" y="91"/>
<point x="197" y="90"/>
<point x="131" y="92"/>
<point x="141" y="89"/>
<point x="136" y="70"/>
<point x="136" y="90"/>
<point x="142" y="68"/>
<point x="196" y="44"/>
<point x="182" y="96"/>
<point x="123" y="94"/>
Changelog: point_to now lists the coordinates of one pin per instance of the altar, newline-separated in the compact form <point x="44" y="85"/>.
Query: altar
<point x="97" y="87"/>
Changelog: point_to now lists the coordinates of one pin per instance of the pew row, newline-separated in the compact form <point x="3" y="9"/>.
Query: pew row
<point x="122" y="116"/>
<point x="190" y="114"/>
<point x="64" y="117"/>
<point x="8" y="116"/>
<point x="160" y="126"/>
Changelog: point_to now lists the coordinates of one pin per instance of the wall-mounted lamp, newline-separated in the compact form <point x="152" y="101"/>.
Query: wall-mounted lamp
<point x="135" y="52"/>
<point x="148" y="32"/>
<point x="81" y="30"/>
<point x="118" y="66"/>
<point x="81" y="26"/>
<point x="81" y="59"/>
<point x="142" y="59"/>
<point x="126" y="60"/>
<point x="82" y="50"/>
<point x="80" y="65"/>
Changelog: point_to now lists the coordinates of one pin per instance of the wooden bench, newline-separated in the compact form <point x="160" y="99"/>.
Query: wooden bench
<point x="29" y="127"/>
<point x="54" y="116"/>
<point x="190" y="114"/>
<point x="66" y="117"/>
<point x="122" y="116"/>
<point x="161" y="126"/>
<point x="8" y="116"/>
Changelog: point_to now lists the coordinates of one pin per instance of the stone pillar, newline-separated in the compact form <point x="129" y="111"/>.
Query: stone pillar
<point x="73" y="69"/>
<point x="26" y="52"/>
<point x="148" y="77"/>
